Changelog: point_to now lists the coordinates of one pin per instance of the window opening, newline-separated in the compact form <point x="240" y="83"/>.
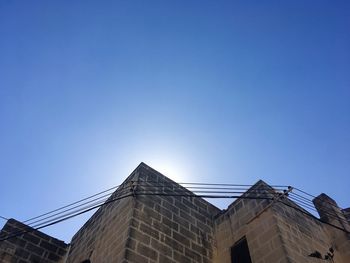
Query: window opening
<point x="240" y="252"/>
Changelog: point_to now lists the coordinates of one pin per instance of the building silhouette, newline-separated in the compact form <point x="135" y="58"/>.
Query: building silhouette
<point x="150" y="218"/>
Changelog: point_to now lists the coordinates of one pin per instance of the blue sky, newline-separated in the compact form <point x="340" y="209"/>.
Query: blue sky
<point x="205" y="91"/>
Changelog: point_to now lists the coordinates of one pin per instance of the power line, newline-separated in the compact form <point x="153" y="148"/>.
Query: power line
<point x="2" y="217"/>
<point x="312" y="208"/>
<point x="311" y="215"/>
<point x="87" y="209"/>
<point x="305" y="193"/>
<point x="311" y="203"/>
<point x="179" y="191"/>
<point x="146" y="184"/>
<point x="203" y="190"/>
<point x="206" y="187"/>
<point x="220" y="184"/>
<point x="79" y="201"/>
<point x="313" y="197"/>
<point x="30" y="229"/>
<point x="79" y="209"/>
<point x="309" y="206"/>
<point x="66" y="210"/>
<point x="241" y="189"/>
<point x="59" y="220"/>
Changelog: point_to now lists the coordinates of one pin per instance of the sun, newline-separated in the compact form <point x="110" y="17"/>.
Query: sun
<point x="172" y="169"/>
<point x="170" y="160"/>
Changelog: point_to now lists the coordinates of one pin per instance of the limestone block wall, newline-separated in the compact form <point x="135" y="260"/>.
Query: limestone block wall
<point x="103" y="237"/>
<point x="243" y="218"/>
<point x="331" y="213"/>
<point x="32" y="247"/>
<point x="303" y="234"/>
<point x="282" y="233"/>
<point x="346" y="213"/>
<point x="169" y="229"/>
<point x="151" y="219"/>
<point x="300" y="234"/>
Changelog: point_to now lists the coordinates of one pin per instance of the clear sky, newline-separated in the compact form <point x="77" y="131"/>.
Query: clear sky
<point x="205" y="91"/>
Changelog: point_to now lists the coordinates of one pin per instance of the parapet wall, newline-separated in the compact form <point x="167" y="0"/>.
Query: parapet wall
<point x="33" y="246"/>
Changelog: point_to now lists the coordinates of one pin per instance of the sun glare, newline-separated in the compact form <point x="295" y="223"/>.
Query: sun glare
<point x="176" y="171"/>
<point x="174" y="164"/>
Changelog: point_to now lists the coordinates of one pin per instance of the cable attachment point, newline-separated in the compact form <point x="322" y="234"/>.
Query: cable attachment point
<point x="289" y="190"/>
<point x="277" y="197"/>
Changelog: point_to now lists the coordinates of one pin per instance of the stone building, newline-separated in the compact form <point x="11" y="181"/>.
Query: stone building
<point x="150" y="218"/>
<point x="32" y="246"/>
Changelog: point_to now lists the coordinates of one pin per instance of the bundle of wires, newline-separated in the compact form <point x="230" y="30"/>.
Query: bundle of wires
<point x="301" y="199"/>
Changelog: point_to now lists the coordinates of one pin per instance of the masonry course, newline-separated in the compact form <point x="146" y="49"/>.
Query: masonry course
<point x="33" y="246"/>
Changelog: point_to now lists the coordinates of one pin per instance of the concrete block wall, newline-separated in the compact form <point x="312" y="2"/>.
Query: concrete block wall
<point x="169" y="229"/>
<point x="103" y="237"/>
<point x="243" y="218"/>
<point x="31" y="247"/>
